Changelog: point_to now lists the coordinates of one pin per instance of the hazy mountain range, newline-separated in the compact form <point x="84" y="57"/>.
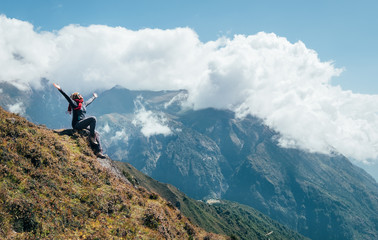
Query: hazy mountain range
<point x="211" y="154"/>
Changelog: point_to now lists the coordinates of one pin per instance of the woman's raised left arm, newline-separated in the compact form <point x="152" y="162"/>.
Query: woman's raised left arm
<point x="89" y="101"/>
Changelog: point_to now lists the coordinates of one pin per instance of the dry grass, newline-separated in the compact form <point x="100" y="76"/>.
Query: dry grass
<point x="53" y="187"/>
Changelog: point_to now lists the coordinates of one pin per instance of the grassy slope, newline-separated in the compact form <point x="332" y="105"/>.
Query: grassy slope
<point x="53" y="187"/>
<point x="224" y="217"/>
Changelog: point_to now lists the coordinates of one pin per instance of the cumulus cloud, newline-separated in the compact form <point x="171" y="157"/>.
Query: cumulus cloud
<point x="265" y="75"/>
<point x="114" y="135"/>
<point x="26" y="55"/>
<point x="106" y="128"/>
<point x="120" y="135"/>
<point x="18" y="108"/>
<point x="151" y="123"/>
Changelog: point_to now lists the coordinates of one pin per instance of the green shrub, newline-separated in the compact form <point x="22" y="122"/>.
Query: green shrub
<point x="23" y="216"/>
<point x="151" y="221"/>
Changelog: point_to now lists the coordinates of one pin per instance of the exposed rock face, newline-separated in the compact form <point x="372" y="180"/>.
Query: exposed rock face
<point x="315" y="194"/>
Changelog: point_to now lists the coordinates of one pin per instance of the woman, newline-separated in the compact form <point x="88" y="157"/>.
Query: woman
<point x="77" y="107"/>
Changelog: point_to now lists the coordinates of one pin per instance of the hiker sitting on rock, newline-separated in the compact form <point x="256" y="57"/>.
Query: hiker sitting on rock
<point x="77" y="107"/>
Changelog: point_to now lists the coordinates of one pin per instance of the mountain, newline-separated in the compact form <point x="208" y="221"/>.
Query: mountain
<point x="53" y="187"/>
<point x="219" y="216"/>
<point x="36" y="105"/>
<point x="211" y="154"/>
<point x="320" y="196"/>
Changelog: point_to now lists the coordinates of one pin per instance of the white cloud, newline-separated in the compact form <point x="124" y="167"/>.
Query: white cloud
<point x="114" y="136"/>
<point x="105" y="129"/>
<point x="151" y="123"/>
<point x="26" y="56"/>
<point x="18" y="108"/>
<point x="264" y="75"/>
<point x="120" y="135"/>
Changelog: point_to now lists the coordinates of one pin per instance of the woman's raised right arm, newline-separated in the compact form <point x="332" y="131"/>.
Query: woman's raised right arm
<point x="70" y="101"/>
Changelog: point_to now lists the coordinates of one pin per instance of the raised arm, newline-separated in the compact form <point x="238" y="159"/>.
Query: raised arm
<point x="70" y="101"/>
<point x="89" y="101"/>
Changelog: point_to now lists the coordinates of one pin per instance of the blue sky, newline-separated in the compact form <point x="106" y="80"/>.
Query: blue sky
<point x="342" y="31"/>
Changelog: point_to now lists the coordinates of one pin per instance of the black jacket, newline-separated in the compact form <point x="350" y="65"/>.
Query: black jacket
<point x="79" y="114"/>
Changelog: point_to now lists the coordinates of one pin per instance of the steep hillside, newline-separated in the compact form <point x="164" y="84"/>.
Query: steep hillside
<point x="53" y="187"/>
<point x="220" y="216"/>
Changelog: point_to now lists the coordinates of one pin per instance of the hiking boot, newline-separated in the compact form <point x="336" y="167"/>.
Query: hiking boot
<point x="100" y="155"/>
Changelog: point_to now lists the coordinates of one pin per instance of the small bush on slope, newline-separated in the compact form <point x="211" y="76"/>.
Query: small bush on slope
<point x="53" y="187"/>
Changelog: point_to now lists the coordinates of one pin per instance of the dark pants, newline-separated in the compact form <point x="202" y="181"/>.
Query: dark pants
<point x="85" y="123"/>
<point x="91" y="123"/>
